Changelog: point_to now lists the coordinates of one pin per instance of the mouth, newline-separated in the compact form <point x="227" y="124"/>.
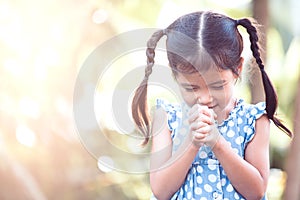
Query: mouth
<point x="212" y="107"/>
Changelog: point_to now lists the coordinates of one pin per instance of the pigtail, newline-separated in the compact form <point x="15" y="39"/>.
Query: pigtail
<point x="270" y="93"/>
<point x="139" y="105"/>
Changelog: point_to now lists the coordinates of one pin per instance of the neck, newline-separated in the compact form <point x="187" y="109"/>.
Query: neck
<point x="226" y="111"/>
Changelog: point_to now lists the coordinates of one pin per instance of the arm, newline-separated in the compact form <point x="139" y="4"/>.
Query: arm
<point x="168" y="172"/>
<point x="248" y="176"/>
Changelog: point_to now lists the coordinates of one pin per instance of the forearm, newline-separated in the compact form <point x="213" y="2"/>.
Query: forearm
<point x="170" y="176"/>
<point x="245" y="178"/>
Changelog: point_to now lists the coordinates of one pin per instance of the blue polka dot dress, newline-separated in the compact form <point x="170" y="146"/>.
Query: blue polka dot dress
<point x="206" y="178"/>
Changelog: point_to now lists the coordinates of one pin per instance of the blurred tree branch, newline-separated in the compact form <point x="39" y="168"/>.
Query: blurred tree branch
<point x="261" y="14"/>
<point x="292" y="189"/>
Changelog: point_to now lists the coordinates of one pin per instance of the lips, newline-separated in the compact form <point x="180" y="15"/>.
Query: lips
<point x="212" y="107"/>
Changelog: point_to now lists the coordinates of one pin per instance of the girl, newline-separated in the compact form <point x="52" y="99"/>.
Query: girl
<point x="213" y="146"/>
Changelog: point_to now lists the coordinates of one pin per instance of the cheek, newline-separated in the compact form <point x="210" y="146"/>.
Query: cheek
<point x="189" y="98"/>
<point x="223" y="96"/>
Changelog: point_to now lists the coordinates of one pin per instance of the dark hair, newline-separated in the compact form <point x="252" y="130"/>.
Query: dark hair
<point x="210" y="38"/>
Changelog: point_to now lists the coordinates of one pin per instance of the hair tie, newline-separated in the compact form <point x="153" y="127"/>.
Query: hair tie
<point x="164" y="31"/>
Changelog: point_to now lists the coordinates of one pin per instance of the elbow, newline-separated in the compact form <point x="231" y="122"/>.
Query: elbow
<point x="256" y="197"/>
<point x="159" y="190"/>
<point x="159" y="193"/>
<point x="257" y="194"/>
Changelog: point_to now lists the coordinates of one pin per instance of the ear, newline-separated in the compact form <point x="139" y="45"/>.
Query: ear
<point x="240" y="68"/>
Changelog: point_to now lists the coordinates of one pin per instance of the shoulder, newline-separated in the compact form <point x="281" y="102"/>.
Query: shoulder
<point x="172" y="110"/>
<point x="243" y="120"/>
<point x="250" y="112"/>
<point x="255" y="110"/>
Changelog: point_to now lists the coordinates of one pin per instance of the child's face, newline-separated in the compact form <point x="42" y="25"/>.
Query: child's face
<point x="213" y="88"/>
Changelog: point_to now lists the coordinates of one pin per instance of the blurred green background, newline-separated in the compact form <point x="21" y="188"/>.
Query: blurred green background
<point x="43" y="46"/>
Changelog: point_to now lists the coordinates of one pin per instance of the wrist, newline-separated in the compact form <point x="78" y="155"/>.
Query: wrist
<point x="195" y="147"/>
<point x="215" y="142"/>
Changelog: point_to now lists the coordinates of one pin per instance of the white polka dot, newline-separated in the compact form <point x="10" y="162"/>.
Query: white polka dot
<point x="223" y="181"/>
<point x="176" y="141"/>
<point x="261" y="106"/>
<point x="198" y="190"/>
<point x="250" y="120"/>
<point x="199" y="169"/>
<point x="250" y="131"/>
<point x="230" y="133"/>
<point x="186" y="188"/>
<point x="240" y="120"/>
<point x="224" y="173"/>
<point x="181" y="191"/>
<point x="246" y="128"/>
<point x="236" y="196"/>
<point x="229" y="188"/>
<point x="223" y="129"/>
<point x="193" y="170"/>
<point x="239" y="140"/>
<point x="241" y="113"/>
<point x="235" y="150"/>
<point x="199" y="179"/>
<point x="211" y="164"/>
<point x="212" y="178"/>
<point x="174" y="125"/>
<point x="225" y="199"/>
<point x="189" y="195"/>
<point x="212" y="167"/>
<point x="188" y="177"/>
<point x="203" y="154"/>
<point x="207" y="188"/>
<point x="203" y="198"/>
<point x="219" y="186"/>
<point x="253" y="111"/>
<point x="211" y="161"/>
<point x="230" y="124"/>
<point x="191" y="183"/>
<point x="186" y="122"/>
<point x="183" y="131"/>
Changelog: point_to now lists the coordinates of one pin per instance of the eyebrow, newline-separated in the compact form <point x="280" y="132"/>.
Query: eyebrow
<point x="210" y="84"/>
<point x="188" y="85"/>
<point x="217" y="82"/>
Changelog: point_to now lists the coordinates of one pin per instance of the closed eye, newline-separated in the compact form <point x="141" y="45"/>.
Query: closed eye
<point x="218" y="85"/>
<point x="190" y="89"/>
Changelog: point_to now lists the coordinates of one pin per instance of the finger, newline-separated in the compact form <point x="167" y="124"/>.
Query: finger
<point x="197" y="108"/>
<point x="205" y="129"/>
<point x="197" y="125"/>
<point x="201" y="113"/>
<point x="201" y="118"/>
<point x="198" y="136"/>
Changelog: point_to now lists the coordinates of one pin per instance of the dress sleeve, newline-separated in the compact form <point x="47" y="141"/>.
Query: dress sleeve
<point x="254" y="113"/>
<point x="173" y="112"/>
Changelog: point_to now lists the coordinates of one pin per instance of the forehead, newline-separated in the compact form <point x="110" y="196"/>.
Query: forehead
<point x="193" y="61"/>
<point x="207" y="77"/>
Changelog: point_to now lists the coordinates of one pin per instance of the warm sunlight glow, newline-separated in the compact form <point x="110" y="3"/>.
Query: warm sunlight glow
<point x="100" y="16"/>
<point x="29" y="107"/>
<point x="25" y="136"/>
<point x="105" y="164"/>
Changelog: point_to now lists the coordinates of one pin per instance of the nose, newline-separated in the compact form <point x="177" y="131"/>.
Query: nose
<point x="204" y="97"/>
